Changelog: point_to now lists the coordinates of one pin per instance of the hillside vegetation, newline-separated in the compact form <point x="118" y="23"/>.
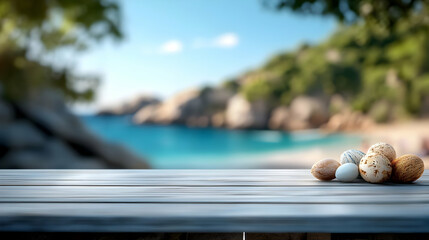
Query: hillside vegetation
<point x="377" y="71"/>
<point x="363" y="73"/>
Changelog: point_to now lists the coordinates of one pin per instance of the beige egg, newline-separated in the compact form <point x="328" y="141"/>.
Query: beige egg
<point x="375" y="168"/>
<point x="407" y="168"/>
<point x="384" y="149"/>
<point x="325" y="169"/>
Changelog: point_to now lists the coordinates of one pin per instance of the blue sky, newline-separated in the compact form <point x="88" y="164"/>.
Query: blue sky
<point x="173" y="45"/>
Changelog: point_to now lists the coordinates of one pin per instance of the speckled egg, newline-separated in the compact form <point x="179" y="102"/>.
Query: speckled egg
<point x="351" y="156"/>
<point x="384" y="149"/>
<point x="347" y="172"/>
<point x="325" y="169"/>
<point x="407" y="168"/>
<point x="375" y="168"/>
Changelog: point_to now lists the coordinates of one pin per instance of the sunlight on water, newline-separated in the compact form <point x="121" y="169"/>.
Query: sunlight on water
<point x="268" y="136"/>
<point x="307" y="135"/>
<point x="183" y="147"/>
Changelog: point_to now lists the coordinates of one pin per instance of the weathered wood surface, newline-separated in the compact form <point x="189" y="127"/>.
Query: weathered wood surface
<point x="206" y="201"/>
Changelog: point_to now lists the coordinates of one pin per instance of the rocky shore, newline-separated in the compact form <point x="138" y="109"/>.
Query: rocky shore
<point x="40" y="132"/>
<point x="223" y="108"/>
<point x="130" y="107"/>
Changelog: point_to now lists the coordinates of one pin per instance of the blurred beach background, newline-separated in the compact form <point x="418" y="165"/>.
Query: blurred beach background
<point x="210" y="84"/>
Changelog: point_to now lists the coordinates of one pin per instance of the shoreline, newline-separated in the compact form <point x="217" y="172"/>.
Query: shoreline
<point x="301" y="157"/>
<point x="405" y="137"/>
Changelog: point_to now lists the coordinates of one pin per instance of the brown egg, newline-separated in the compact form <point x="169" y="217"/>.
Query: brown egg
<point x="407" y="168"/>
<point x="325" y="169"/>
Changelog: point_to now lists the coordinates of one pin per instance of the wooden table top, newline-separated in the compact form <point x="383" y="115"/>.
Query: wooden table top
<point x="206" y="201"/>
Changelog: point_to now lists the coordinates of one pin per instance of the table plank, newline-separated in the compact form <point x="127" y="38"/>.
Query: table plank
<point x="206" y="201"/>
<point x="196" y="183"/>
<point x="183" y="194"/>
<point x="171" y="178"/>
<point x="107" y="174"/>
<point x="107" y="217"/>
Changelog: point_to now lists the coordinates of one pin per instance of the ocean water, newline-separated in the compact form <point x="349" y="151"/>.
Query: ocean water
<point x="179" y="147"/>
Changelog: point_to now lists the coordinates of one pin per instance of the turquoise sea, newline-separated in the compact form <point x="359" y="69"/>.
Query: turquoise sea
<point x="181" y="147"/>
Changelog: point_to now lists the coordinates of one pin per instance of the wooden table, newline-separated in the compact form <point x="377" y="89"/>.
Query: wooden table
<point x="206" y="201"/>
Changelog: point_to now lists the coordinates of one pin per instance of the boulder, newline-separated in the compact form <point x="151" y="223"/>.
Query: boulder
<point x="242" y="114"/>
<point x="218" y="120"/>
<point x="280" y="118"/>
<point x="146" y="115"/>
<point x="54" y="154"/>
<point x="216" y="99"/>
<point x="6" y="112"/>
<point x="61" y="124"/>
<point x="21" y="134"/>
<point x="180" y="107"/>
<point x="54" y="122"/>
<point x="198" y="121"/>
<point x="337" y="104"/>
<point x="48" y="99"/>
<point x="348" y="120"/>
<point x="192" y="107"/>
<point x="308" y="112"/>
<point x="116" y="156"/>
<point x="130" y="107"/>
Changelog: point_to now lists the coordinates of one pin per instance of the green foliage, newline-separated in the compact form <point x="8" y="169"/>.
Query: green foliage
<point x="31" y="32"/>
<point x="231" y="84"/>
<point x="21" y="76"/>
<point x="384" y="13"/>
<point x="366" y="64"/>
<point x="58" y="23"/>
<point x="257" y="89"/>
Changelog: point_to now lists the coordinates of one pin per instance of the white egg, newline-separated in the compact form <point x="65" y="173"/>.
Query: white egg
<point x="351" y="156"/>
<point x="375" y="168"/>
<point x="384" y="149"/>
<point x="347" y="172"/>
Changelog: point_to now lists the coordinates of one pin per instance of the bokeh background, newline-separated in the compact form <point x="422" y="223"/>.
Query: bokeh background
<point x="210" y="84"/>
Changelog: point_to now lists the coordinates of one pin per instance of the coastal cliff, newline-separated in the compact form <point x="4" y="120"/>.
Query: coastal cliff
<point x="218" y="107"/>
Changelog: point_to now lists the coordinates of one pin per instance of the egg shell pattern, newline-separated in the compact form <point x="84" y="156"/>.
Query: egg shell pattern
<point x="351" y="156"/>
<point x="375" y="168"/>
<point x="384" y="149"/>
<point x="325" y="169"/>
<point x="407" y="168"/>
<point x="347" y="172"/>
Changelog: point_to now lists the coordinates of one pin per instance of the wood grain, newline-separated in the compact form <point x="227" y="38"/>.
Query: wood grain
<point x="206" y="201"/>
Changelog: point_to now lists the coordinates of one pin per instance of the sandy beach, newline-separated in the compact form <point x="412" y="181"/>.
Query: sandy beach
<point x="405" y="137"/>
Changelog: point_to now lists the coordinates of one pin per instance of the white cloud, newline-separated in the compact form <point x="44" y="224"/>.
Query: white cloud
<point x="226" y="40"/>
<point x="172" y="46"/>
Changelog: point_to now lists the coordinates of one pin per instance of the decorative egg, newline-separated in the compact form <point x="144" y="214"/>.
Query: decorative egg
<point x="375" y="168"/>
<point x="347" y="172"/>
<point x="325" y="169"/>
<point x="407" y="168"/>
<point x="351" y="156"/>
<point x="384" y="149"/>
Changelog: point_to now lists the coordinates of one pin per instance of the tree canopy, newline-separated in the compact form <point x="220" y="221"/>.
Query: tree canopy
<point x="31" y="32"/>
<point x="385" y="13"/>
<point x="369" y="65"/>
